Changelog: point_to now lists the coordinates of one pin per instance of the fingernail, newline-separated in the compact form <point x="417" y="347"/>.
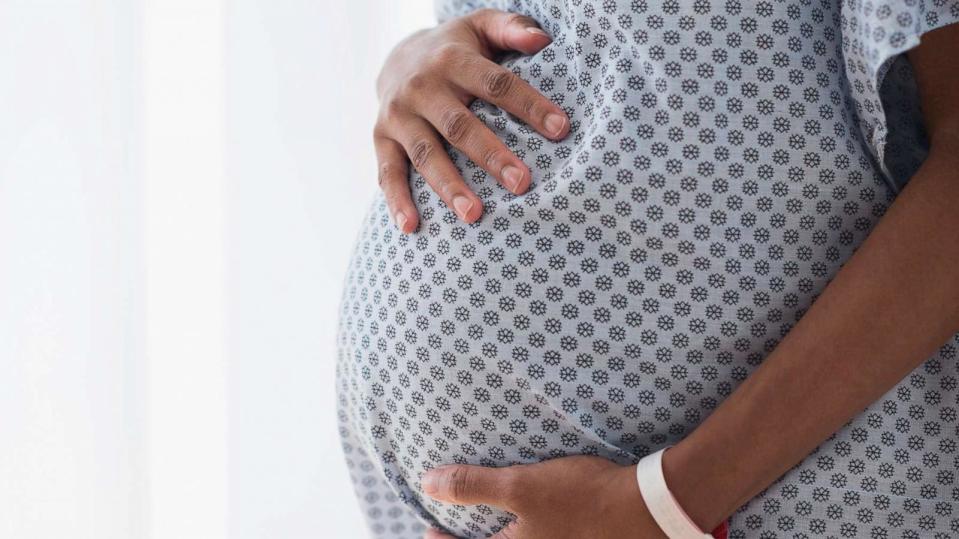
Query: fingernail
<point x="512" y="176"/>
<point x="401" y="220"/>
<point x="462" y="204"/>
<point x="555" y="124"/>
<point x="537" y="31"/>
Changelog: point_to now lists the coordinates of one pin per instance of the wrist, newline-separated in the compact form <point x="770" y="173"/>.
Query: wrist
<point x="707" y="497"/>
<point x="641" y="523"/>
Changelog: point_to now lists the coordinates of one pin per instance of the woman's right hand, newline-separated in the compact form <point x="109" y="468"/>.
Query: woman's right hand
<point x="425" y="87"/>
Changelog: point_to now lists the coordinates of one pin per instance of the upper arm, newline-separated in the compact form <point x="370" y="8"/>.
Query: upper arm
<point x="935" y="62"/>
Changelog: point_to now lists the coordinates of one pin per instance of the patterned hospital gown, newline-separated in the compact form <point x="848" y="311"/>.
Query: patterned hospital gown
<point x="726" y="157"/>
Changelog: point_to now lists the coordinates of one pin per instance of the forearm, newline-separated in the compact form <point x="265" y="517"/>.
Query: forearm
<point x="895" y="301"/>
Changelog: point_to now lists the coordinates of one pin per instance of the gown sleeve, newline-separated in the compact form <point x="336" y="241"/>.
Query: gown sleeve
<point x="875" y="34"/>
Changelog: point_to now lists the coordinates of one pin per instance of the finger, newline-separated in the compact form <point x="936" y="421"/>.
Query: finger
<point x="394" y="181"/>
<point x="494" y="83"/>
<point x="466" y="132"/>
<point x="429" y="157"/>
<point x="471" y="485"/>
<point x="505" y="31"/>
<point x="433" y="533"/>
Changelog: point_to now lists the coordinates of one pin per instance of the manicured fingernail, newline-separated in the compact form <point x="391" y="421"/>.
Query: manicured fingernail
<point x="401" y="220"/>
<point x="512" y="176"/>
<point x="462" y="204"/>
<point x="537" y="31"/>
<point x="555" y="124"/>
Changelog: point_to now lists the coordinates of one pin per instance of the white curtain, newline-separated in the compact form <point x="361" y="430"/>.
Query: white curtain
<point x="180" y="185"/>
<point x="72" y="449"/>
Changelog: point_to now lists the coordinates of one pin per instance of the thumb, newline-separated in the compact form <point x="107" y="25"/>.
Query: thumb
<point x="470" y="485"/>
<point x="506" y="31"/>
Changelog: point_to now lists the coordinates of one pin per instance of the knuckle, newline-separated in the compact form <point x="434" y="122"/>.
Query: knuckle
<point x="417" y="82"/>
<point x="446" y="54"/>
<point x="387" y="172"/>
<point x="497" y="83"/>
<point x="482" y="14"/>
<point x="421" y="152"/>
<point x="446" y="188"/>
<point x="492" y="156"/>
<point x="381" y="127"/>
<point x="390" y="111"/>
<point x="459" y="482"/>
<point x="455" y="124"/>
<point x="513" y="18"/>
<point x="529" y="106"/>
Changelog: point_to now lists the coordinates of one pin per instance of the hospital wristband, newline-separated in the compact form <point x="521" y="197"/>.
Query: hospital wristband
<point x="661" y="503"/>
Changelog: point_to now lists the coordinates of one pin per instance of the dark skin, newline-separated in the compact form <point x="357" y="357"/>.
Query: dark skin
<point x="424" y="89"/>
<point x="889" y="308"/>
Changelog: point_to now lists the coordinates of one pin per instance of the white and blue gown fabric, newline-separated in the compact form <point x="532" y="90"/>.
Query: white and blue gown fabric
<point x="725" y="158"/>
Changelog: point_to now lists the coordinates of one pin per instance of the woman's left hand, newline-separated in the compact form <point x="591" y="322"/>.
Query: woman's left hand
<point x="569" y="497"/>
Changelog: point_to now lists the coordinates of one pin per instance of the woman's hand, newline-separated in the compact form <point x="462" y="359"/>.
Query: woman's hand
<point x="424" y="89"/>
<point x="570" y="497"/>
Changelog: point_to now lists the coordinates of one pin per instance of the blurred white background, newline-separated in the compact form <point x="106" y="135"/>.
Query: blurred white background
<point x="180" y="186"/>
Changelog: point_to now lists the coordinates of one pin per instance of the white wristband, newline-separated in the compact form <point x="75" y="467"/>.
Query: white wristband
<point x="661" y="503"/>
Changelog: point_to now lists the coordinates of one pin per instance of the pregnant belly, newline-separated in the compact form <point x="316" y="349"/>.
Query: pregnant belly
<point x="607" y="311"/>
<point x="562" y="323"/>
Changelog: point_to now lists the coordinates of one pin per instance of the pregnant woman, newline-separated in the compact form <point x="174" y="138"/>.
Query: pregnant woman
<point x="722" y="228"/>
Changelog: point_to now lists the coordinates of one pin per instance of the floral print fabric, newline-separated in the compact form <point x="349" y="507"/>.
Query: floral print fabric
<point x="725" y="158"/>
